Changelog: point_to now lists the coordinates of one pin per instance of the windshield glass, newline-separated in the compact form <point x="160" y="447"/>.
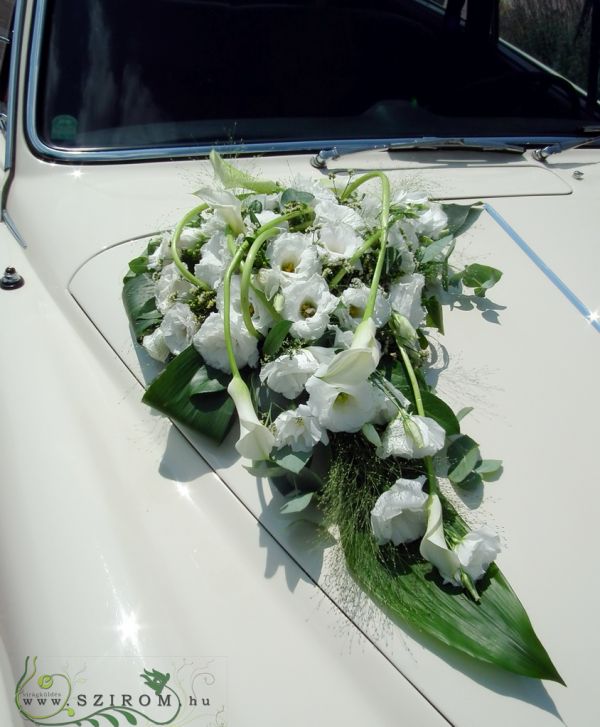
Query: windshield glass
<point x="169" y="73"/>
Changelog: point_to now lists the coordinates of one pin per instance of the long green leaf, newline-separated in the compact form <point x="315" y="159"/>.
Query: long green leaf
<point x="496" y="630"/>
<point x="176" y="393"/>
<point x="140" y="304"/>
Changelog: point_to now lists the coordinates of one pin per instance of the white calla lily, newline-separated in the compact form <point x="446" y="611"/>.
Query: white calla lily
<point x="256" y="441"/>
<point x="227" y="206"/>
<point x="434" y="547"/>
<point x="358" y="362"/>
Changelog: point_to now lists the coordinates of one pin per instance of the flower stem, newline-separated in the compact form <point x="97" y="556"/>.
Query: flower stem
<point x="263" y="234"/>
<point x="368" y="243"/>
<point x="241" y="251"/>
<point x="175" y="252"/>
<point x="383" y="231"/>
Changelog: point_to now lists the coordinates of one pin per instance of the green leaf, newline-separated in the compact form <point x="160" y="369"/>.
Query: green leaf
<point x="295" y="196"/>
<point x="461" y="217"/>
<point x="489" y="469"/>
<point x="463" y="412"/>
<point x="128" y="716"/>
<point x="471" y="481"/>
<point x="113" y="720"/>
<point x="480" y="277"/>
<point x="290" y="460"/>
<point x="297" y="504"/>
<point x="266" y="469"/>
<point x="436" y="251"/>
<point x="208" y="381"/>
<point x="441" y="412"/>
<point x="233" y="178"/>
<point x="173" y="393"/>
<point x="463" y="456"/>
<point x="435" y="313"/>
<point x="138" y="297"/>
<point x="276" y="337"/>
<point x="496" y="630"/>
<point x="93" y="722"/>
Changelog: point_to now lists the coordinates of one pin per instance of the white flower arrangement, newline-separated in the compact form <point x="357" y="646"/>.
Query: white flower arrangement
<point x="307" y="306"/>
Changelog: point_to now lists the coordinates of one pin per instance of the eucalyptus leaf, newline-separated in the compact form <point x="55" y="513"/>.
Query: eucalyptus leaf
<point x="295" y="196"/>
<point x="276" y="337"/>
<point x="290" y="460"/>
<point x="297" y="504"/>
<point x="489" y="469"/>
<point x="462" y="413"/>
<point x="480" y="277"/>
<point x="461" y="217"/>
<point x="463" y="456"/>
<point x="174" y="393"/>
<point x="436" y="252"/>
<point x="266" y="469"/>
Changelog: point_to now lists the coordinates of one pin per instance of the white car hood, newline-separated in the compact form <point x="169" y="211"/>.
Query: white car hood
<point x="528" y="365"/>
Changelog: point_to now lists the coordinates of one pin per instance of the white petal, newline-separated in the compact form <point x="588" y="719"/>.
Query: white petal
<point x="399" y="514"/>
<point x="477" y="550"/>
<point x="256" y="440"/>
<point x="434" y="548"/>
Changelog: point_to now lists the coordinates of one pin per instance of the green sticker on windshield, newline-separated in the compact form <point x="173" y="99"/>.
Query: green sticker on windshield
<point x="64" y="128"/>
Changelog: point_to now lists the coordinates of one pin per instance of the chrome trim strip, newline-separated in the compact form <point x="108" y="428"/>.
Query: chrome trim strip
<point x="590" y="316"/>
<point x="13" y="83"/>
<point x="7" y="219"/>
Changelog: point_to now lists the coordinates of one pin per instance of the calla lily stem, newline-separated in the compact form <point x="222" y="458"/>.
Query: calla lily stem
<point x="175" y="252"/>
<point x="241" y="251"/>
<point x="383" y="231"/>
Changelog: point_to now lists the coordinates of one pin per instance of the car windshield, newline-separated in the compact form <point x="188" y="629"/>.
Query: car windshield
<point x="182" y="73"/>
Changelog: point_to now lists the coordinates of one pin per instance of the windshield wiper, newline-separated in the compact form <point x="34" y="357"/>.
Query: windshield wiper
<point x="422" y="143"/>
<point x="542" y="154"/>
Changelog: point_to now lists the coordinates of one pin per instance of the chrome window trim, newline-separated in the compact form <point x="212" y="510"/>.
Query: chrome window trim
<point x="79" y="156"/>
<point x="13" y="83"/>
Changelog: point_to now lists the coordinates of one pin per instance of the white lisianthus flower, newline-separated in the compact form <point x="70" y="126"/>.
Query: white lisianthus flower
<point x="155" y="345"/>
<point x="400" y="513"/>
<point x="163" y="252"/>
<point x="404" y="198"/>
<point x="434" y="547"/>
<point x="214" y="259"/>
<point x="370" y="208"/>
<point x="189" y="237"/>
<point x="256" y="441"/>
<point x="388" y="404"/>
<point x="343" y="339"/>
<point x="341" y="408"/>
<point x="293" y="257"/>
<point x="261" y="317"/>
<point x="432" y="221"/>
<point x="288" y="373"/>
<point x="212" y="224"/>
<point x="178" y="327"/>
<point x="226" y="205"/>
<point x="209" y="341"/>
<point x="298" y="429"/>
<point x="338" y="241"/>
<point x="405" y="298"/>
<point x="354" y="300"/>
<point x="398" y="241"/>
<point x="332" y="213"/>
<point x="477" y="550"/>
<point x="411" y="437"/>
<point x="308" y="304"/>
<point x="358" y="362"/>
<point x="170" y="288"/>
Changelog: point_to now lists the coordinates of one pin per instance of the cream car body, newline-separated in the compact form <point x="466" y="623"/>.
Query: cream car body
<point x="122" y="535"/>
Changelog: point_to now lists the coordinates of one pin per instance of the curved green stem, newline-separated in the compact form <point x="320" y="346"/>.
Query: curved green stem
<point x="247" y="274"/>
<point x="175" y="252"/>
<point x="385" y="215"/>
<point x="357" y="183"/>
<point x="241" y="251"/>
<point x="367" y="244"/>
<point x="266" y="302"/>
